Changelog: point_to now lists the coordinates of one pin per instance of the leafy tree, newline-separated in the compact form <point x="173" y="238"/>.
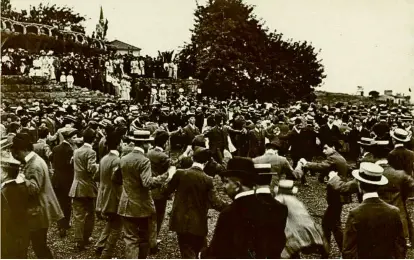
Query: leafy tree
<point x="374" y="94"/>
<point x="5" y="8"/>
<point x="231" y="51"/>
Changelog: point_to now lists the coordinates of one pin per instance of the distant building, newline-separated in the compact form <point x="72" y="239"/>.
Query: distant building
<point x="123" y="48"/>
<point x="399" y="99"/>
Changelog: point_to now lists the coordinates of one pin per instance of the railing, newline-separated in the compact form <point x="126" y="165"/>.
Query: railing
<point x="9" y="25"/>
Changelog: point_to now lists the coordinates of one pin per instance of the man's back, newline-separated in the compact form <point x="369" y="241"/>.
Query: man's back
<point x="84" y="163"/>
<point x="192" y="201"/>
<point x="251" y="227"/>
<point x="374" y="230"/>
<point x="404" y="159"/>
<point x="62" y="161"/>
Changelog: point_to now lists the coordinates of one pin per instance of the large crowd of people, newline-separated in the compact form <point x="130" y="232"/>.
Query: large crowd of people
<point x="68" y="163"/>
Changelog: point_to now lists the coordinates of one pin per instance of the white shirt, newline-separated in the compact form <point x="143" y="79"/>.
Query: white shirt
<point x="252" y="192"/>
<point x="199" y="165"/>
<point x="115" y="152"/>
<point x="29" y="156"/>
<point x="270" y="151"/>
<point x="139" y="149"/>
<point x="398" y="145"/>
<point x="370" y="195"/>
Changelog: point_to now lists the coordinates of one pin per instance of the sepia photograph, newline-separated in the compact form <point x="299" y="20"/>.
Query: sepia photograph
<point x="204" y="129"/>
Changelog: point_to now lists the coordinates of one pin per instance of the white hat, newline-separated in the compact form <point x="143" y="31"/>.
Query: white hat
<point x="181" y="90"/>
<point x="286" y="187"/>
<point x="400" y="135"/>
<point x="370" y="173"/>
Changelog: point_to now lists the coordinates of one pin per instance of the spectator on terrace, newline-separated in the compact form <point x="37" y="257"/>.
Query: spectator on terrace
<point x="70" y="80"/>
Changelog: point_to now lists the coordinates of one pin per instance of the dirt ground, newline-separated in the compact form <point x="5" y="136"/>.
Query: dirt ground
<point x="313" y="196"/>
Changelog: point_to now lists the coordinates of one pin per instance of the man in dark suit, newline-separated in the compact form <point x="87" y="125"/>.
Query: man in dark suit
<point x="329" y="131"/>
<point x="136" y="205"/>
<point x="217" y="139"/>
<point x="354" y="137"/>
<point x="190" y="130"/>
<point x="194" y="194"/>
<point x="107" y="202"/>
<point x="256" y="137"/>
<point x="160" y="163"/>
<point x="253" y="226"/>
<point x="404" y="157"/>
<point x="62" y="162"/>
<point x="331" y="222"/>
<point x="367" y="235"/>
<point x="83" y="190"/>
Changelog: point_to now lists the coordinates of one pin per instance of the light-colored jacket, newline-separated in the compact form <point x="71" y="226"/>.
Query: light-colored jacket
<point x="84" y="163"/>
<point x="136" y="200"/>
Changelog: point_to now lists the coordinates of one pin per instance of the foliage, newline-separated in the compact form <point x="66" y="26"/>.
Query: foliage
<point x="374" y="94"/>
<point x="231" y="51"/>
<point x="166" y="56"/>
<point x="53" y="15"/>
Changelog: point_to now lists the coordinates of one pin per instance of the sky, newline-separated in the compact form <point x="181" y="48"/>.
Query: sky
<point x="367" y="43"/>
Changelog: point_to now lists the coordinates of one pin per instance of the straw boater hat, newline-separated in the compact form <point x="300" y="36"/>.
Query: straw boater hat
<point x="366" y="141"/>
<point x="286" y="187"/>
<point x="370" y="173"/>
<point x="141" y="136"/>
<point x="400" y="135"/>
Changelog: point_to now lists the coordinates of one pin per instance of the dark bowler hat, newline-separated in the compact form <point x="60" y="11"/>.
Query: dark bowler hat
<point x="241" y="168"/>
<point x="201" y="154"/>
<point x="264" y="173"/>
<point x="275" y="144"/>
<point x="22" y="142"/>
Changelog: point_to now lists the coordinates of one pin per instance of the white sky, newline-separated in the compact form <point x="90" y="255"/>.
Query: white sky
<point x="363" y="42"/>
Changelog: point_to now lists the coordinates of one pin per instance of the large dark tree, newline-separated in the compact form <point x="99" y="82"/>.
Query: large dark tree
<point x="232" y="52"/>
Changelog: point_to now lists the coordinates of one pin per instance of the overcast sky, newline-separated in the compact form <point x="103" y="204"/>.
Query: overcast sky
<point x="363" y="42"/>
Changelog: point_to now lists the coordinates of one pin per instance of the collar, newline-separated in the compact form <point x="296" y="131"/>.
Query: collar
<point x="139" y="149"/>
<point x="41" y="141"/>
<point x="64" y="141"/>
<point x="359" y="128"/>
<point x="398" y="145"/>
<point x="198" y="165"/>
<point x="330" y="125"/>
<point x="115" y="152"/>
<point x="7" y="182"/>
<point x="297" y="131"/>
<point x="370" y="195"/>
<point x="29" y="156"/>
<point x="159" y="148"/>
<point x="270" y="151"/>
<point x="87" y="145"/>
<point x="263" y="190"/>
<point x="382" y="162"/>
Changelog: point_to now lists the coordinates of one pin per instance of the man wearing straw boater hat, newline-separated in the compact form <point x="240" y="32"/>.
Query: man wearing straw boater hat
<point x="248" y="228"/>
<point x="404" y="157"/>
<point x="374" y="228"/>
<point x="136" y="205"/>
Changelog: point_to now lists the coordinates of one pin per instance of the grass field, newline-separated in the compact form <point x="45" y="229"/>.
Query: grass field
<point x="313" y="197"/>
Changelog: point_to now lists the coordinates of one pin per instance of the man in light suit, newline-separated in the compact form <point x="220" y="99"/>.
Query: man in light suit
<point x="160" y="163"/>
<point x="279" y="164"/>
<point x="84" y="190"/>
<point x="109" y="193"/>
<point x="404" y="157"/>
<point x="44" y="207"/>
<point x="136" y="205"/>
<point x="194" y="194"/>
<point x="366" y="234"/>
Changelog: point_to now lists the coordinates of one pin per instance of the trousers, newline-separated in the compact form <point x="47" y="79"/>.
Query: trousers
<point x="331" y="223"/>
<point x="156" y="221"/>
<point x="109" y="235"/>
<point x="190" y="245"/>
<point x="136" y="237"/>
<point x="38" y="238"/>
<point x="83" y="218"/>
<point x="65" y="205"/>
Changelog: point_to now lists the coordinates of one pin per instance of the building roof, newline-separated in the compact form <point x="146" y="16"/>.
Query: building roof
<point x="118" y="45"/>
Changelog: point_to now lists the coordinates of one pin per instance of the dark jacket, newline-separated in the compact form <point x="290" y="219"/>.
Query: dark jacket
<point x="251" y="227"/>
<point x="62" y="161"/>
<point x="194" y="195"/>
<point x="369" y="236"/>
<point x="14" y="220"/>
<point x="160" y="163"/>
<point x="404" y="159"/>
